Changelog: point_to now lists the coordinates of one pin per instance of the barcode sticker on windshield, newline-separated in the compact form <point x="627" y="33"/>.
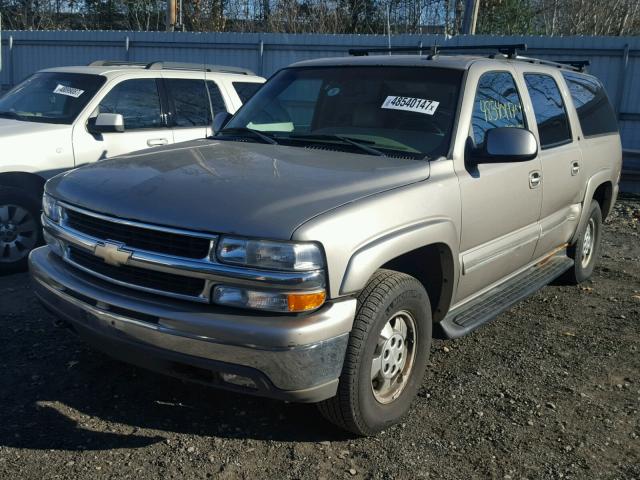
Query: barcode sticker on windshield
<point x="410" y="104"/>
<point x="68" y="91"/>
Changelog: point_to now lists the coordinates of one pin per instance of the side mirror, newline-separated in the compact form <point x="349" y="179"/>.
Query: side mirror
<point x="220" y="120"/>
<point x="106" y="123"/>
<point x="507" y="144"/>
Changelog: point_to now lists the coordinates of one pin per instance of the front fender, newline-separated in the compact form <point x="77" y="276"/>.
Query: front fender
<point x="362" y="236"/>
<point x="375" y="254"/>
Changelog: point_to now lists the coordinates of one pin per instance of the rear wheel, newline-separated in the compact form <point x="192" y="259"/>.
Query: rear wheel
<point x="20" y="229"/>
<point x="386" y="357"/>
<point x="587" y="248"/>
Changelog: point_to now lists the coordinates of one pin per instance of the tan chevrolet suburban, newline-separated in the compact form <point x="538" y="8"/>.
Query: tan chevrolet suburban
<point x="309" y="249"/>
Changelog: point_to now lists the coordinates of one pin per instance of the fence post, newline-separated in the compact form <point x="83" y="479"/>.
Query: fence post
<point x="11" y="67"/>
<point x="622" y="80"/>
<point x="261" y="57"/>
<point x="126" y="48"/>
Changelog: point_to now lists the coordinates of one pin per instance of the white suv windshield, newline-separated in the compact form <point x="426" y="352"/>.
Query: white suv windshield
<point x="50" y="97"/>
<point x="393" y="111"/>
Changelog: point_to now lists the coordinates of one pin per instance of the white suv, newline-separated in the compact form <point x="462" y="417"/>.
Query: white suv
<point x="61" y="118"/>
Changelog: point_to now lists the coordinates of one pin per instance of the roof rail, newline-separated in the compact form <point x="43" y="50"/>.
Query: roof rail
<point x="579" y="65"/>
<point x="511" y="50"/>
<point x="114" y="63"/>
<point x="574" y="65"/>
<point x="200" y="67"/>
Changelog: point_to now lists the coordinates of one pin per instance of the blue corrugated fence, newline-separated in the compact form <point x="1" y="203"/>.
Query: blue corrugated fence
<point x="615" y="60"/>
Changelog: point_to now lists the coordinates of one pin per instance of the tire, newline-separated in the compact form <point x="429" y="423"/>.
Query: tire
<point x="20" y="229"/>
<point x="587" y="248"/>
<point x="365" y="406"/>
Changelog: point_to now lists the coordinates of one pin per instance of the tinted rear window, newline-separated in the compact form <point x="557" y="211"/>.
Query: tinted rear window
<point x="548" y="106"/>
<point x="217" y="102"/>
<point x="590" y="99"/>
<point x="191" y="102"/>
<point x="246" y="90"/>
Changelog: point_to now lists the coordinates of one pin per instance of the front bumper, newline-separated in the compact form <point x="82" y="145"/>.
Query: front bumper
<point x="296" y="358"/>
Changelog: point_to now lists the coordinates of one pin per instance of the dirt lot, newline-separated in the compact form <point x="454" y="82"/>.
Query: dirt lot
<point x="551" y="389"/>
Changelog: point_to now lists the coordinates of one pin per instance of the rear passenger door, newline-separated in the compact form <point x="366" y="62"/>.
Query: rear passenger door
<point x="190" y="110"/>
<point x="560" y="156"/>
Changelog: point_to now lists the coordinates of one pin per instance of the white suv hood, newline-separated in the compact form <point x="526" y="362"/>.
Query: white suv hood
<point x="10" y="127"/>
<point x="43" y="148"/>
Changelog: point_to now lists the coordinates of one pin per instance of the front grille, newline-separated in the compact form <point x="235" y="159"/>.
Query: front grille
<point x="164" y="282"/>
<point x="137" y="237"/>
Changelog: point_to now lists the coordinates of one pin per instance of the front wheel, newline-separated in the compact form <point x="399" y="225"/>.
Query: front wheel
<point x="386" y="357"/>
<point x="20" y="229"/>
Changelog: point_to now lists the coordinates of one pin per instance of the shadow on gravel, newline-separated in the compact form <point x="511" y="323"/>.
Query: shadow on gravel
<point x="83" y="400"/>
<point x="57" y="393"/>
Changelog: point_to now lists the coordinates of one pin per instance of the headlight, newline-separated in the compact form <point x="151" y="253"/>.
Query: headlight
<point x="51" y="208"/>
<point x="268" y="300"/>
<point x="270" y="255"/>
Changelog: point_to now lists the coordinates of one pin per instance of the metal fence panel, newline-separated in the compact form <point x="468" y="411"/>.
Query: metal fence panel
<point x="615" y="60"/>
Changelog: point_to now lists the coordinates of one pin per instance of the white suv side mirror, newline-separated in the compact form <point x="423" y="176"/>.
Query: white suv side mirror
<point x="106" y="123"/>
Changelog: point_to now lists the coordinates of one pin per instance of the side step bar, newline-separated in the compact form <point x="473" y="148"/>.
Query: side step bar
<point x="466" y="318"/>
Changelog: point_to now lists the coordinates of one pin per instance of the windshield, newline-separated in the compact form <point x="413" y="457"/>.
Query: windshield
<point x="394" y="111"/>
<point x="50" y="97"/>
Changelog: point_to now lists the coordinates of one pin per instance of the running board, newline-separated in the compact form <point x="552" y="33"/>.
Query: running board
<point x="466" y="318"/>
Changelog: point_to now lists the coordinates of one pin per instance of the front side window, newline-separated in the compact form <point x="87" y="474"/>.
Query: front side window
<point x="50" y="97"/>
<point x="496" y="104"/>
<point x="191" y="102"/>
<point x="395" y="111"/>
<point x="549" y="109"/>
<point x="592" y="104"/>
<point x="137" y="101"/>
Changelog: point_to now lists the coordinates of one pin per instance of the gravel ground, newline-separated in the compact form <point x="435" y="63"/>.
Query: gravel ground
<point x="550" y="389"/>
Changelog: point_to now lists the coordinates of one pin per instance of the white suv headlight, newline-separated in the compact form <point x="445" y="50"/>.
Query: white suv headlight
<point x="269" y="254"/>
<point x="51" y="208"/>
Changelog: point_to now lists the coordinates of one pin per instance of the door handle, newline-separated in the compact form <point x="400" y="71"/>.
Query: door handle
<point x="575" y="168"/>
<point x="156" y="142"/>
<point x="534" y="179"/>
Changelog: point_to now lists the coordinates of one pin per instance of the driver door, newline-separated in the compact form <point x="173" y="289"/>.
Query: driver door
<point x="139" y="102"/>
<point x="500" y="201"/>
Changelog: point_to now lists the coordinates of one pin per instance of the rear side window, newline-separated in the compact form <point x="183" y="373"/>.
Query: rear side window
<point x="245" y="90"/>
<point x="191" y="102"/>
<point x="217" y="102"/>
<point x="497" y="104"/>
<point x="137" y="101"/>
<point x="549" y="108"/>
<point x="590" y="99"/>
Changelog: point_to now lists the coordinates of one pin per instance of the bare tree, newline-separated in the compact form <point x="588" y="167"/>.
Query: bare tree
<point x="508" y="17"/>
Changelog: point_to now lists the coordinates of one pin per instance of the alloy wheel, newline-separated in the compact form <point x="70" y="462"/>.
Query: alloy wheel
<point x="18" y="233"/>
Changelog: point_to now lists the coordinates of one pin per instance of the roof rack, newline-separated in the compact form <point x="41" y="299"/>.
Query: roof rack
<point x="200" y="67"/>
<point x="510" y="50"/>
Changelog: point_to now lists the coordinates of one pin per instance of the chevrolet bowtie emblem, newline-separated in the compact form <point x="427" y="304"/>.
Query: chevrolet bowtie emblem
<point x="112" y="253"/>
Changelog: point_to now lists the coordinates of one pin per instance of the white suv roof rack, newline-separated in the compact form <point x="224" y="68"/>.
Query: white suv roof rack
<point x="199" y="67"/>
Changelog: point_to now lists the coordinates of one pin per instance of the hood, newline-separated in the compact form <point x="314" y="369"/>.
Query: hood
<point x="229" y="187"/>
<point x="10" y="128"/>
<point x="43" y="148"/>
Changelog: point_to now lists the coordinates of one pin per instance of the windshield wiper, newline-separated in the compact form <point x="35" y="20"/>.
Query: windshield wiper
<point x="358" y="143"/>
<point x="244" y="130"/>
<point x="9" y="114"/>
